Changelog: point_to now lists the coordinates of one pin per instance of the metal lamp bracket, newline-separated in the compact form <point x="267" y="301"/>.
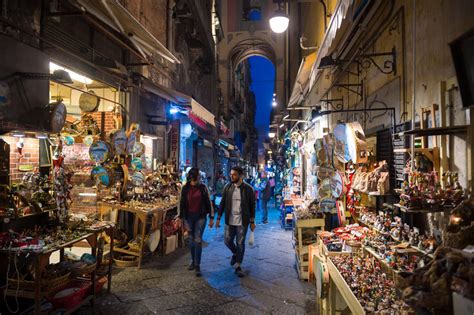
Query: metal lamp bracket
<point x="389" y="64"/>
<point x="350" y="88"/>
<point x="335" y="103"/>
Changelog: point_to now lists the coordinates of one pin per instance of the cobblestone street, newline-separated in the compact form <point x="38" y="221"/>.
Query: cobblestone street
<point x="165" y="286"/>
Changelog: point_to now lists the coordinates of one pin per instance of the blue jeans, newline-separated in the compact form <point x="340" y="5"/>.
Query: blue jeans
<point x="234" y="238"/>
<point x="264" y="207"/>
<point x="195" y="225"/>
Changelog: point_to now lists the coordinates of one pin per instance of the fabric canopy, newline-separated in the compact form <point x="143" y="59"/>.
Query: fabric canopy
<point x="197" y="112"/>
<point x="301" y="87"/>
<point x="112" y="13"/>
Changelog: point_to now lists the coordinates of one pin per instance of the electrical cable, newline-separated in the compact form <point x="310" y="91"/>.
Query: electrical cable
<point x="17" y="284"/>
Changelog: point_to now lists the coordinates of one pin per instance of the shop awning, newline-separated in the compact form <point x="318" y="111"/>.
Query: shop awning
<point x="341" y="30"/>
<point x="340" y="22"/>
<point x="112" y="13"/>
<point x="197" y="112"/>
<point x="301" y="87"/>
<point x="201" y="112"/>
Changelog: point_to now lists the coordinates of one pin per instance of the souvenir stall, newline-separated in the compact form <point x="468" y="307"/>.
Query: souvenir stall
<point x="37" y="273"/>
<point x="404" y="256"/>
<point x="137" y="198"/>
<point x="291" y="178"/>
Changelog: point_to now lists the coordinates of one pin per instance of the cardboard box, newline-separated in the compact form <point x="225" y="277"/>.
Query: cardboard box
<point x="171" y="244"/>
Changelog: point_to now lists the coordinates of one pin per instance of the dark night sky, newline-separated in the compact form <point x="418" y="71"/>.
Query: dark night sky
<point x="262" y="73"/>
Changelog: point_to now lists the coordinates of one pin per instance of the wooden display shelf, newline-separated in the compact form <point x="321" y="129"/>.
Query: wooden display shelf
<point x="372" y="193"/>
<point x="438" y="131"/>
<point x="408" y="210"/>
<point x="308" y="223"/>
<point x="343" y="288"/>
<point x="41" y="260"/>
<point x="154" y="216"/>
<point x="417" y="150"/>
<point x="372" y="227"/>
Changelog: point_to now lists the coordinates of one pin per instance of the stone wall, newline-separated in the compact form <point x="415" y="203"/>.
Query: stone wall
<point x="437" y="24"/>
<point x="151" y="14"/>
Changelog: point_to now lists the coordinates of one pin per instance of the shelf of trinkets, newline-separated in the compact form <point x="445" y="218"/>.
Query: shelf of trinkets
<point x="400" y="247"/>
<point x="426" y="191"/>
<point x="383" y="223"/>
<point x="373" y="288"/>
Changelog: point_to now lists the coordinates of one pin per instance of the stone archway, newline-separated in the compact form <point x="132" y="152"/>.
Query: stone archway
<point x="248" y="48"/>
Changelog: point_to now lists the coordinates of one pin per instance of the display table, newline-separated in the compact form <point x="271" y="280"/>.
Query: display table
<point x="41" y="260"/>
<point x="338" y="286"/>
<point x="154" y="216"/>
<point x="301" y="247"/>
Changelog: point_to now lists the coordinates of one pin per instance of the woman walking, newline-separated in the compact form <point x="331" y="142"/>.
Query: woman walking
<point x="194" y="207"/>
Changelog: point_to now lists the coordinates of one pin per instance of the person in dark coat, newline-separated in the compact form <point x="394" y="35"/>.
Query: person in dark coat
<point x="238" y="204"/>
<point x="265" y="195"/>
<point x="194" y="207"/>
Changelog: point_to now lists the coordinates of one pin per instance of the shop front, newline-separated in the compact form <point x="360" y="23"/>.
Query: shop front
<point x="383" y="212"/>
<point x="85" y="178"/>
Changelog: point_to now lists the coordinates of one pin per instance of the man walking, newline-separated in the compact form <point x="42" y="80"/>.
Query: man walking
<point x="238" y="203"/>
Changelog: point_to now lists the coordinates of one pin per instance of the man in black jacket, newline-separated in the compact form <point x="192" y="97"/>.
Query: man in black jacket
<point x="238" y="203"/>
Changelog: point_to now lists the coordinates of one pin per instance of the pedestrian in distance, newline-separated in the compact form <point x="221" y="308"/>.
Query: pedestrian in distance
<point x="265" y="195"/>
<point x="194" y="207"/>
<point x="238" y="204"/>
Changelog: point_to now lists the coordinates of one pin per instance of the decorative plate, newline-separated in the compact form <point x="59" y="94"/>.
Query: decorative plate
<point x="99" y="151"/>
<point x="89" y="102"/>
<point x="336" y="185"/>
<point x="138" y="149"/>
<point x="138" y="179"/>
<point x="154" y="240"/>
<point x="327" y="204"/>
<point x="57" y="116"/>
<point x="131" y="141"/>
<point x="88" y="140"/>
<point x="119" y="141"/>
<point x="102" y="176"/>
<point x="137" y="164"/>
<point x="68" y="140"/>
<point x="341" y="151"/>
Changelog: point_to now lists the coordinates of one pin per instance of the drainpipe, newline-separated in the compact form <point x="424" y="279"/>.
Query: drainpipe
<point x="169" y="26"/>
<point x="302" y="46"/>
<point x="413" y="106"/>
<point x="325" y="10"/>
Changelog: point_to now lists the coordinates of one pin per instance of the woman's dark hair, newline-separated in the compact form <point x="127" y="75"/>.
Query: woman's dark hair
<point x="193" y="174"/>
<point x="238" y="169"/>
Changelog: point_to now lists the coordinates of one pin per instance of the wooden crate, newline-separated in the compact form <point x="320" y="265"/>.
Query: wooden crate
<point x="300" y="225"/>
<point x="302" y="256"/>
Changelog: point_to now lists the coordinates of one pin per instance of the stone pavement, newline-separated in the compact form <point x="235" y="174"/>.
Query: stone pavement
<point x="165" y="286"/>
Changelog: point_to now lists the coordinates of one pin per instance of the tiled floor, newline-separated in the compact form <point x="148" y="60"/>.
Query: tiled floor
<point x="164" y="286"/>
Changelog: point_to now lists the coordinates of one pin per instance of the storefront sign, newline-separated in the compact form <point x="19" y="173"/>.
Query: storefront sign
<point x="174" y="143"/>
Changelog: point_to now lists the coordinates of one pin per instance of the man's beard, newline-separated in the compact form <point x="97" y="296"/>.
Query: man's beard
<point x="234" y="181"/>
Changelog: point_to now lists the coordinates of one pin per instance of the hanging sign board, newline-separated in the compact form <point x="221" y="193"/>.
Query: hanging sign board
<point x="174" y="143"/>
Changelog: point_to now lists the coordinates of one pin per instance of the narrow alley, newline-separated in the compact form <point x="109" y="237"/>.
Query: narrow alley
<point x="338" y="133"/>
<point x="165" y="286"/>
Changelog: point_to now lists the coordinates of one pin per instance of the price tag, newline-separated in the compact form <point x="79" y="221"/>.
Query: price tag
<point x="139" y="190"/>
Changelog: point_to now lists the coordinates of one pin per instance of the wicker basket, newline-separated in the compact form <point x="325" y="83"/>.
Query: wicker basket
<point x="125" y="261"/>
<point x="47" y="285"/>
<point x="56" y="283"/>
<point x="24" y="285"/>
<point x="134" y="245"/>
<point x="88" y="269"/>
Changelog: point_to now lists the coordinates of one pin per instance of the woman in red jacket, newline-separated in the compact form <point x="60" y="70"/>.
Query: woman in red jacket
<point x="194" y="207"/>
